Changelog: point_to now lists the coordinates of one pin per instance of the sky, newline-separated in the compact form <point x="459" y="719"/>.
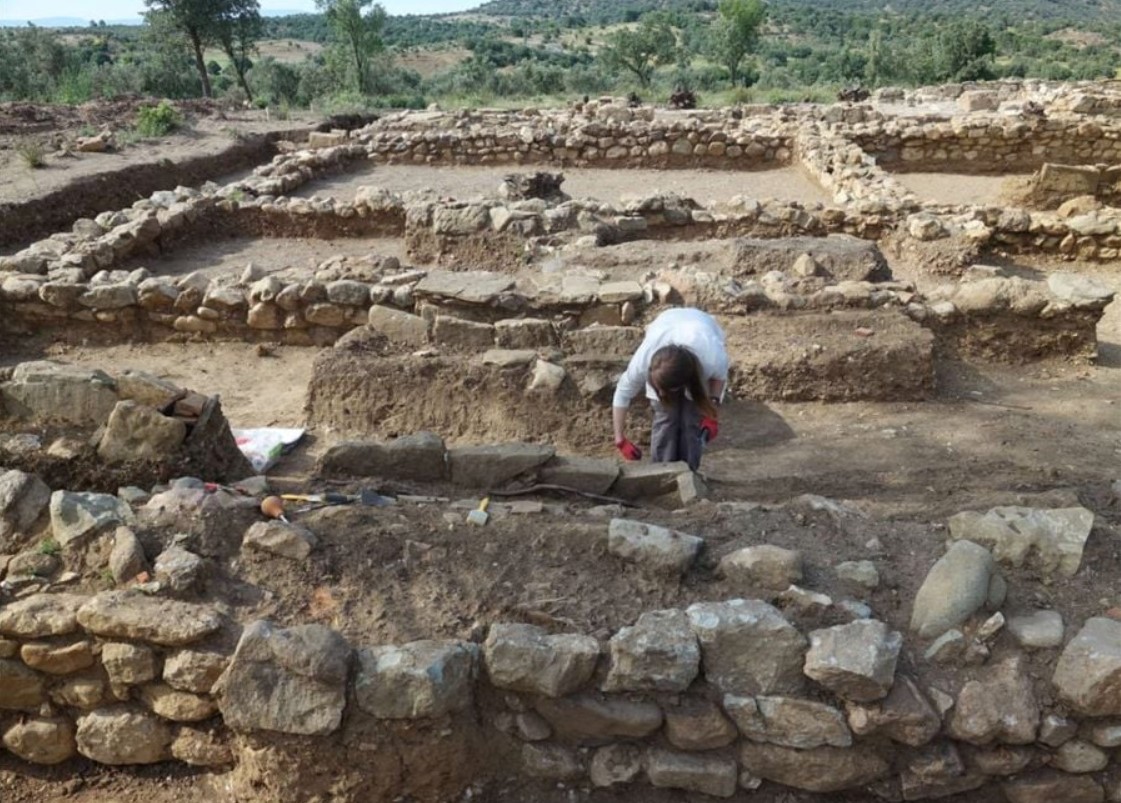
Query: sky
<point x="124" y="9"/>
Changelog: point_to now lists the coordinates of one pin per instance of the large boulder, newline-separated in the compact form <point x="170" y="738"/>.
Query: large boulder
<point x="1051" y="540"/>
<point x="417" y="680"/>
<point x="525" y="658"/>
<point x="123" y="734"/>
<point x="134" y="615"/>
<point x="659" y="653"/>
<point x="50" y="392"/>
<point x="656" y="548"/>
<point x="788" y="721"/>
<point x="23" y="498"/>
<point x="138" y="432"/>
<point x="748" y="648"/>
<point x="999" y="707"/>
<point x="289" y="680"/>
<point x="1088" y="674"/>
<point x="855" y="661"/>
<point x="420" y="456"/>
<point x="956" y="586"/>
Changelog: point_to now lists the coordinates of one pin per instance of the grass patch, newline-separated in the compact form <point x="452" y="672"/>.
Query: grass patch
<point x="32" y="153"/>
<point x="49" y="546"/>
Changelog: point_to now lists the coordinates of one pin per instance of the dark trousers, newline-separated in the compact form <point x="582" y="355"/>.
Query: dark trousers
<point x="676" y="434"/>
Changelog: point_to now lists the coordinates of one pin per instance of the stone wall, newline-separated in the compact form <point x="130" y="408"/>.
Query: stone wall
<point x="721" y="696"/>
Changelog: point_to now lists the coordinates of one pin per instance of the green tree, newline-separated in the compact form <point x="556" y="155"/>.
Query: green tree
<point x="198" y="20"/>
<point x="238" y="30"/>
<point x="358" y="32"/>
<point x="736" y="33"/>
<point x="642" y="49"/>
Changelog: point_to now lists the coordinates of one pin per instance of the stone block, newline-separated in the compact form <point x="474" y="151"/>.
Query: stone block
<point x="954" y="589"/>
<point x="123" y="734"/>
<point x="1050" y="540"/>
<point x="788" y="721"/>
<point x="75" y="516"/>
<point x="646" y="480"/>
<point x="854" y="661"/>
<point x="1088" y="674"/>
<point x="136" y="616"/>
<point x="52" y="392"/>
<point x="716" y="776"/>
<point x="419" y="680"/>
<point x="288" y="680"/>
<point x="283" y="539"/>
<point x="589" y="718"/>
<point x="490" y="466"/>
<point x="525" y="658"/>
<point x="748" y="648"/>
<point x="656" y="548"/>
<point x="41" y="615"/>
<point x="821" y="769"/>
<point x="42" y="740"/>
<point x="588" y="474"/>
<point x="420" y="457"/>
<point x="609" y="340"/>
<point x="698" y="725"/>
<point x="524" y="333"/>
<point x="399" y="327"/>
<point x="658" y="653"/>
<point x="194" y="670"/>
<point x="457" y="333"/>
<point x="763" y="565"/>
<point x="23" y="498"/>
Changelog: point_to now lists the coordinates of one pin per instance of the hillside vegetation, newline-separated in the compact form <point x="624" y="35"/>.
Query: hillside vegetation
<point x="549" y="51"/>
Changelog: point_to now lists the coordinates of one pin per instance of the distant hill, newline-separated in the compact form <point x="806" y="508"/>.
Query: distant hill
<point x="65" y="22"/>
<point x="601" y="11"/>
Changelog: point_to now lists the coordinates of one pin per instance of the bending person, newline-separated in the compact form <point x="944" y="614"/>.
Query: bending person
<point x="683" y="365"/>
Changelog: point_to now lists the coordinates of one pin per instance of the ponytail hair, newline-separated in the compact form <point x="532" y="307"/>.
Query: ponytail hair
<point x="674" y="370"/>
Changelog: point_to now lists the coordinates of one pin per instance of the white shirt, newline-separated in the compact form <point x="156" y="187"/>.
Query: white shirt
<point x="695" y="330"/>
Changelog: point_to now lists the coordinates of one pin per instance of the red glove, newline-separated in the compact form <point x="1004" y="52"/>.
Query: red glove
<point x="628" y="450"/>
<point x="710" y="428"/>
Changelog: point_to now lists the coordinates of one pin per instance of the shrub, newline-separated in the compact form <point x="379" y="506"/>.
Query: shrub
<point x="156" y="121"/>
<point x="32" y="152"/>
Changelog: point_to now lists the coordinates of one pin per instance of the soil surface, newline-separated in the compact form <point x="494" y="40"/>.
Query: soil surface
<point x="708" y="187"/>
<point x="958" y="188"/>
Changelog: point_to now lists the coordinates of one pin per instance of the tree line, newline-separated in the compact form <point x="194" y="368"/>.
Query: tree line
<point x="731" y="50"/>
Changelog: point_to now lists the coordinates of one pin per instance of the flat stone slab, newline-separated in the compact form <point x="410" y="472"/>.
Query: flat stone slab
<point x="492" y="465"/>
<point x="470" y="287"/>
<point x="134" y="615"/>
<point x="840" y="256"/>
<point x="76" y="515"/>
<point x="416" y="680"/>
<point x="638" y="480"/>
<point x="653" y="547"/>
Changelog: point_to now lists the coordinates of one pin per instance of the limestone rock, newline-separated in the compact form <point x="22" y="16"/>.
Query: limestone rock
<point x="123" y="734"/>
<point x="178" y="569"/>
<point x="616" y="764"/>
<point x="42" y="740"/>
<point x="525" y="658"/>
<point x="128" y="664"/>
<point x="138" y="432"/>
<point x="788" y="721"/>
<point x="748" y="648"/>
<point x="551" y="761"/>
<point x="1050" y="786"/>
<point x="280" y="538"/>
<point x="855" y="661"/>
<point x="708" y="774"/>
<point x="415" y="681"/>
<point x="133" y="615"/>
<point x="51" y="392"/>
<point x="524" y="333"/>
<point x="956" y="586"/>
<point x="194" y="670"/>
<point x="41" y="615"/>
<point x="764" y="565"/>
<point x="398" y="326"/>
<point x="1077" y="756"/>
<point x="657" y="548"/>
<point x="1039" y="630"/>
<point x="178" y="706"/>
<point x="57" y="659"/>
<point x="1000" y="707"/>
<point x="1053" y="540"/>
<point x="77" y="515"/>
<point x="822" y="769"/>
<point x="589" y="474"/>
<point x="200" y="748"/>
<point x="698" y="725"/>
<point x="21" y="689"/>
<point x="83" y="693"/>
<point x="593" y="718"/>
<point x="491" y="465"/>
<point x="905" y="716"/>
<point x="420" y="457"/>
<point x="1088" y="673"/>
<point x="658" y="653"/>
<point x="22" y="500"/>
<point x="289" y="680"/>
<point x="146" y="389"/>
<point x="471" y="287"/>
<point x="1079" y="290"/>
<point x="127" y="559"/>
